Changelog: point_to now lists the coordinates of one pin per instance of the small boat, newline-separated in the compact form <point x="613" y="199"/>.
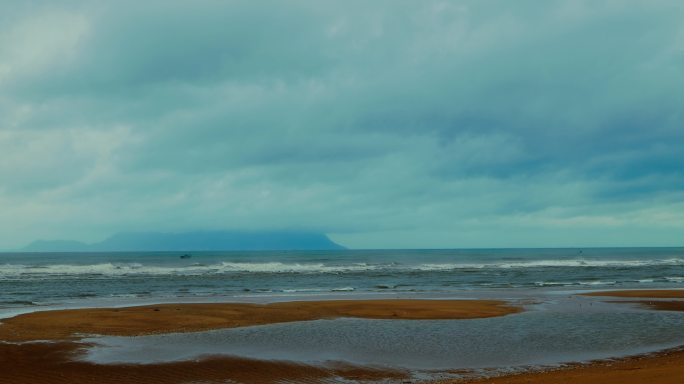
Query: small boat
<point x="186" y="256"/>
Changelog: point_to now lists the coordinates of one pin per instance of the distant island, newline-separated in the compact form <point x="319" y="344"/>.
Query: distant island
<point x="193" y="241"/>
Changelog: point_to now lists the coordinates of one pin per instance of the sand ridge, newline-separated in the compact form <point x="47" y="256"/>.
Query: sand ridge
<point x="662" y="305"/>
<point x="643" y="293"/>
<point x="168" y="318"/>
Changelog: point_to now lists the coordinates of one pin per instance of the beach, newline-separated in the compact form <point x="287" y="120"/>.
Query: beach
<point x="410" y="316"/>
<point x="40" y="347"/>
<point x="341" y="192"/>
<point x="642" y="293"/>
<point x="45" y="347"/>
<point x="170" y="318"/>
<point x="658" y="368"/>
<point x="53" y="363"/>
<point x="666" y="367"/>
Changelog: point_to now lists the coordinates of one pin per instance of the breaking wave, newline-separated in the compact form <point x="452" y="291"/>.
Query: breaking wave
<point x="14" y="271"/>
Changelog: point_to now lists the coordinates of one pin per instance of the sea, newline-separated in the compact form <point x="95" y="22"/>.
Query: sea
<point x="30" y="280"/>
<point x="556" y="327"/>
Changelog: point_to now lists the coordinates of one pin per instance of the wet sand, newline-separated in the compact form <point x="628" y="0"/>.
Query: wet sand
<point x="52" y="363"/>
<point x="661" y="305"/>
<point x="644" y="293"/>
<point x="167" y="318"/>
<point x="666" y="367"/>
<point x="56" y="361"/>
<point x="660" y="368"/>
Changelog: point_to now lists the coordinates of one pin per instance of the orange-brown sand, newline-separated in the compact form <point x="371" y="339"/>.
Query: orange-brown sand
<point x="51" y="363"/>
<point x="131" y="321"/>
<point x="54" y="363"/>
<point x="663" y="305"/>
<point x="661" y="368"/>
<point x="674" y="305"/>
<point x="646" y="293"/>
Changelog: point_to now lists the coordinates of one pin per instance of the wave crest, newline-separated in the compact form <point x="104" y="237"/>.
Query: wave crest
<point x="13" y="271"/>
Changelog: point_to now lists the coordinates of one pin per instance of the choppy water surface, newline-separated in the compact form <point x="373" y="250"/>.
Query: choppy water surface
<point x="73" y="278"/>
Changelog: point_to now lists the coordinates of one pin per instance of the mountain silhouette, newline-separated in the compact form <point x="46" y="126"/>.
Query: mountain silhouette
<point x="193" y="241"/>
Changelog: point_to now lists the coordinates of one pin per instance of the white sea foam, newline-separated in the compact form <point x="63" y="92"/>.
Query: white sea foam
<point x="277" y="267"/>
<point x="553" y="283"/>
<point x="13" y="271"/>
<point x="130" y="269"/>
<point x="343" y="289"/>
<point x="597" y="282"/>
<point x="301" y="290"/>
<point x="554" y="263"/>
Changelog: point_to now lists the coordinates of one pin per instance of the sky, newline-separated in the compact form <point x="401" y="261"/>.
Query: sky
<point x="385" y="124"/>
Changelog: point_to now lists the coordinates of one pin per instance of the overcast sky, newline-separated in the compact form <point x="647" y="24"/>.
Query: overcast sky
<point x="385" y="124"/>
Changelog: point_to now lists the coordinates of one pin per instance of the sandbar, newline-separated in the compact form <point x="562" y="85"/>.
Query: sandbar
<point x="645" y="293"/>
<point x="662" y="305"/>
<point x="168" y="318"/>
<point x="56" y="361"/>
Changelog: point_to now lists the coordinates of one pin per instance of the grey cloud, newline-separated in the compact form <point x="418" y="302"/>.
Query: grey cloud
<point x="367" y="120"/>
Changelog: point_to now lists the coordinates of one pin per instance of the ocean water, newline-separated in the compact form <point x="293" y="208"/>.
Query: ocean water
<point x="29" y="280"/>
<point x="556" y="326"/>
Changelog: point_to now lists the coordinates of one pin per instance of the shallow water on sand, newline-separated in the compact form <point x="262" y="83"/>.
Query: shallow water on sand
<point x="556" y="330"/>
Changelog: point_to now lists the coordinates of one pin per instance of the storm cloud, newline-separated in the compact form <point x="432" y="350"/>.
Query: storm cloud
<point x="383" y="123"/>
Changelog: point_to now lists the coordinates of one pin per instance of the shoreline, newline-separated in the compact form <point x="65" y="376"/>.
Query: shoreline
<point x="56" y="362"/>
<point x="172" y="318"/>
<point x="660" y="295"/>
<point x="659" y="367"/>
<point x="642" y="293"/>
